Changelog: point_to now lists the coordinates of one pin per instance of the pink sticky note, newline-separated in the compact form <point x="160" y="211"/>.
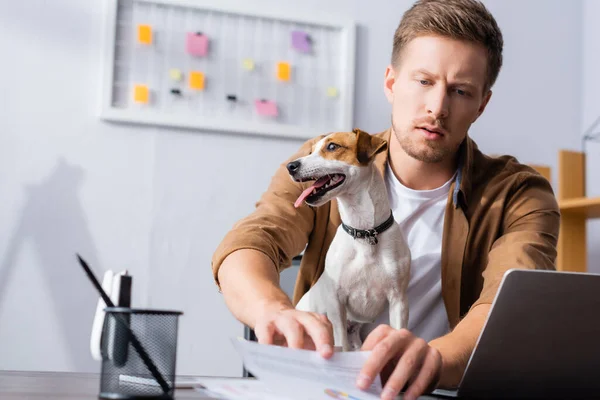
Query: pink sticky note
<point x="196" y="44"/>
<point x="301" y="41"/>
<point x="266" y="108"/>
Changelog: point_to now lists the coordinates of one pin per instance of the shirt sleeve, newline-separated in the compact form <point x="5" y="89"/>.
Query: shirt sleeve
<point x="275" y="228"/>
<point x="530" y="234"/>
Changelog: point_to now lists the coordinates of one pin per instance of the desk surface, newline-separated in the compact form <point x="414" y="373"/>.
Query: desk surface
<point x="16" y="385"/>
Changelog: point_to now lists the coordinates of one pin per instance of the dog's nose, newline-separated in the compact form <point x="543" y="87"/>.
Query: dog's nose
<point x="293" y="166"/>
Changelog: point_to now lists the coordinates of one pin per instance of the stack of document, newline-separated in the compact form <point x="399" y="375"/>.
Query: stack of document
<point x="289" y="374"/>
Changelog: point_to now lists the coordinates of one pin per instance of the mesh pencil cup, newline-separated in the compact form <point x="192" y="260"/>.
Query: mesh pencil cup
<point x="139" y="352"/>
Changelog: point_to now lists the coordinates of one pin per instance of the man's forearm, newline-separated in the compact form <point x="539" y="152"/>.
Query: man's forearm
<point x="457" y="346"/>
<point x="250" y="285"/>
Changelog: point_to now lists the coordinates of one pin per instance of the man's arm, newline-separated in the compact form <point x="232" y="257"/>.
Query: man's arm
<point x="456" y="347"/>
<point x="530" y="234"/>
<point x="254" y="296"/>
<point x="248" y="260"/>
<point x="531" y="227"/>
<point x="252" y="253"/>
<point x="250" y="284"/>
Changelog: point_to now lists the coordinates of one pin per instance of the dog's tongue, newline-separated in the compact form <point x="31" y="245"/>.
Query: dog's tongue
<point x="320" y="182"/>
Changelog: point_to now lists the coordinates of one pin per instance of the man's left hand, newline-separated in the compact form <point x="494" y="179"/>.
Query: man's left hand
<point x="402" y="359"/>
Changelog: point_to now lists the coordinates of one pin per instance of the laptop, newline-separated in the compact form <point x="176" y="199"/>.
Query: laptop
<point x="541" y="339"/>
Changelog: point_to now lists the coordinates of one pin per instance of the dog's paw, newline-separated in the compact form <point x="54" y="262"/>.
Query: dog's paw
<point x="355" y="346"/>
<point x="353" y="330"/>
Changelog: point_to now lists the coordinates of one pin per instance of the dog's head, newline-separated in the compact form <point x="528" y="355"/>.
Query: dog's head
<point x="337" y="163"/>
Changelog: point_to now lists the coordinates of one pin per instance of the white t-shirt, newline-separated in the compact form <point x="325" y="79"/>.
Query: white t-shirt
<point x="420" y="214"/>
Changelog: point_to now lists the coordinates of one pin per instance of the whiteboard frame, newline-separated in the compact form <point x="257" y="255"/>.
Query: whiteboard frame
<point x="347" y="62"/>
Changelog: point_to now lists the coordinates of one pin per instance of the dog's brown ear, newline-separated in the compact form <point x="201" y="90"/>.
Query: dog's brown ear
<point x="367" y="146"/>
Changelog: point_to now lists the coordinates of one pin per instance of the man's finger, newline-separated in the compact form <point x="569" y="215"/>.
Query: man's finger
<point x="323" y="317"/>
<point x="427" y="378"/>
<point x="320" y="332"/>
<point x="292" y="330"/>
<point x="389" y="347"/>
<point x="265" y="332"/>
<point x="376" y="336"/>
<point x="408" y="365"/>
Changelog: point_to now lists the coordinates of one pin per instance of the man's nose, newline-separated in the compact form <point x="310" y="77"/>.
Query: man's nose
<point x="293" y="166"/>
<point x="438" y="104"/>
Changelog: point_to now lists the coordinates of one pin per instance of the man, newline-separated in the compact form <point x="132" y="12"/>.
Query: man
<point x="467" y="217"/>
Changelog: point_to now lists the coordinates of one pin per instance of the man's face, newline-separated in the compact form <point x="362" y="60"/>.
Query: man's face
<point x="436" y="92"/>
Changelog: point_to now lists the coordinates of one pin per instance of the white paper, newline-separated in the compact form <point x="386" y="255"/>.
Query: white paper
<point x="237" y="389"/>
<point x="304" y="374"/>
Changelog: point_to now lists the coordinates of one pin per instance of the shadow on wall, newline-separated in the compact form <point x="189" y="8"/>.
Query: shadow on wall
<point x="53" y="222"/>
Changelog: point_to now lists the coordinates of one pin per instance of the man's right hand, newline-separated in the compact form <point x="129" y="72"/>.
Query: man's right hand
<point x="250" y="284"/>
<point x="284" y="326"/>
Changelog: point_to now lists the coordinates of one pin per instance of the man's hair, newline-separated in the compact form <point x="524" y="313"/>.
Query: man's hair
<point x="457" y="19"/>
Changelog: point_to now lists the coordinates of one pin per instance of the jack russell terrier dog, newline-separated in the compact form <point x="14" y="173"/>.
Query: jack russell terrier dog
<point x="367" y="266"/>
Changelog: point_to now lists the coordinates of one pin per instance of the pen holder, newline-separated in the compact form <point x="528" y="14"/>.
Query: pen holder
<point x="130" y="369"/>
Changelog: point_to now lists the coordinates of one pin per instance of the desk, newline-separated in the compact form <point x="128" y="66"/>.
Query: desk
<point x="15" y="385"/>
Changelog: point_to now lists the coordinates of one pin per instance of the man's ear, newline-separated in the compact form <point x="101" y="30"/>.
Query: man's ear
<point x="367" y="146"/>
<point x="388" y="83"/>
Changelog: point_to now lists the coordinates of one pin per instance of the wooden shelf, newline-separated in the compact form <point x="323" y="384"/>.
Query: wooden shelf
<point x="585" y="206"/>
<point x="575" y="209"/>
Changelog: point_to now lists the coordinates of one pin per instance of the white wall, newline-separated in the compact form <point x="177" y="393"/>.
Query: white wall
<point x="157" y="201"/>
<point x="590" y="113"/>
<point x="535" y="107"/>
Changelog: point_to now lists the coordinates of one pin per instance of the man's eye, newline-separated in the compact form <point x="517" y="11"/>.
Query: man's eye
<point x="424" y="82"/>
<point x="461" y="92"/>
<point x="332" y="146"/>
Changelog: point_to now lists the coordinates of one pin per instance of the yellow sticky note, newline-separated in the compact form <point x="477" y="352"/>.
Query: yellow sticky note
<point x="141" y="94"/>
<point x="284" y="71"/>
<point x="175" y="74"/>
<point x="145" y="34"/>
<point x="196" y="80"/>
<point x="332" y="92"/>
<point x="248" y="64"/>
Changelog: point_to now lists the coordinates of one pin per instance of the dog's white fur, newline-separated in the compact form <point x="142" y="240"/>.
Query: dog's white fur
<point x="359" y="279"/>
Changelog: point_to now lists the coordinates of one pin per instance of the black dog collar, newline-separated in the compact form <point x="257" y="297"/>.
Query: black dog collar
<point x="370" y="234"/>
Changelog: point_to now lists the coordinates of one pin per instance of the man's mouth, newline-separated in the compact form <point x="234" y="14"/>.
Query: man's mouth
<point x="321" y="186"/>
<point x="432" y="132"/>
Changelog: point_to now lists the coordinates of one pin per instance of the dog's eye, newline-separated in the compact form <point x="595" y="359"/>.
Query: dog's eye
<point x="332" y="146"/>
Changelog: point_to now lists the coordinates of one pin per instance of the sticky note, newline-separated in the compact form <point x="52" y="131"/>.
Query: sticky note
<point x="301" y="41"/>
<point x="145" y="34"/>
<point x="196" y="80"/>
<point x="332" y="92"/>
<point x="196" y="44"/>
<point x="141" y="94"/>
<point x="266" y="108"/>
<point x="175" y="74"/>
<point x="248" y="64"/>
<point x="284" y="71"/>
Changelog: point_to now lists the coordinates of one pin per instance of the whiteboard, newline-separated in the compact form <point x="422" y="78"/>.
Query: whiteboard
<point x="194" y="64"/>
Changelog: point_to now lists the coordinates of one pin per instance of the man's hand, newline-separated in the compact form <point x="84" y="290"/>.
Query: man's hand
<point x="401" y="358"/>
<point x="250" y="284"/>
<point x="295" y="329"/>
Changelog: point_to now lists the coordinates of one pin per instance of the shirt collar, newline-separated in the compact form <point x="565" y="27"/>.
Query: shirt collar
<point x="462" y="186"/>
